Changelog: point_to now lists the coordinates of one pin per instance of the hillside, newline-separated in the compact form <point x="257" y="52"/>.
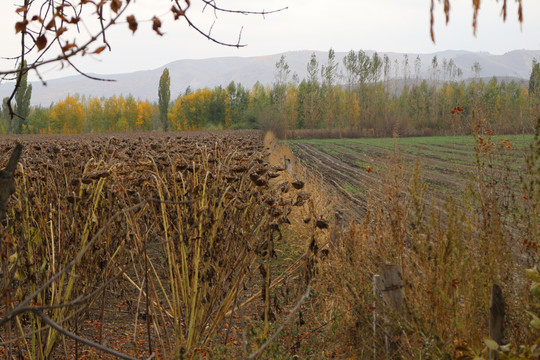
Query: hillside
<point x="200" y="73"/>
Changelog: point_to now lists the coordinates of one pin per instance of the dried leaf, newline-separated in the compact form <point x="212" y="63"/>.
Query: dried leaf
<point x="156" y="24"/>
<point x="60" y="31"/>
<point x="68" y="46"/>
<point x="41" y="42"/>
<point x="116" y="5"/>
<point x="21" y="26"/>
<point x="503" y="10"/>
<point x="432" y="21"/>
<point x="132" y="23"/>
<point x="447" y="10"/>
<point x="100" y="49"/>
<point x="21" y="9"/>
<point x="177" y="12"/>
<point x="50" y="25"/>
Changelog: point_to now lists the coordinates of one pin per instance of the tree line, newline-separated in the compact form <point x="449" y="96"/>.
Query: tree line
<point x="368" y="93"/>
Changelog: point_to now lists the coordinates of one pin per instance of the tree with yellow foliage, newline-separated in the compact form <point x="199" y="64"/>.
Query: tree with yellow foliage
<point x="144" y="115"/>
<point x="67" y="116"/>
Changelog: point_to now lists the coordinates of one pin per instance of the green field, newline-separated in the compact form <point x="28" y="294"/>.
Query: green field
<point x="447" y="164"/>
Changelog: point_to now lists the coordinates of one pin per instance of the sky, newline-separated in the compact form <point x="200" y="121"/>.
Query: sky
<point x="381" y="25"/>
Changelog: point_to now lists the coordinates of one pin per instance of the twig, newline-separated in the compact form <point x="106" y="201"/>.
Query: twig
<point x="148" y="328"/>
<point x="60" y="329"/>
<point x="102" y="314"/>
<point x="213" y="5"/>
<point x="289" y="318"/>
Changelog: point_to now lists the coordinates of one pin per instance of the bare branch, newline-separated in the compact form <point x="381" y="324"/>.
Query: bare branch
<point x="240" y="35"/>
<point x="210" y="37"/>
<point x="213" y="5"/>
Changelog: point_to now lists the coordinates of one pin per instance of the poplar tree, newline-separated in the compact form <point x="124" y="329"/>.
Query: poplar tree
<point x="22" y="102"/>
<point x="534" y="80"/>
<point x="164" y="96"/>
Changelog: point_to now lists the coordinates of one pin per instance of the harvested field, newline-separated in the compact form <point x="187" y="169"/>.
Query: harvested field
<point x="204" y="244"/>
<point x="148" y="243"/>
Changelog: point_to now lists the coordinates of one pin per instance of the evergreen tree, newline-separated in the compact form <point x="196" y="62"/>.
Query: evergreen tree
<point x="164" y="96"/>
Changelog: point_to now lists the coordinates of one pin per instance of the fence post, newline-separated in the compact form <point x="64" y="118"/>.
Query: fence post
<point x="496" y="318"/>
<point x="287" y="164"/>
<point x="388" y="287"/>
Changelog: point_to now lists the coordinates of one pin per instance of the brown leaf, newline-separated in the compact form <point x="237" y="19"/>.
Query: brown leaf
<point x="50" y="25"/>
<point x="21" y="26"/>
<point x="116" y="5"/>
<point x="60" y="31"/>
<point x="41" y="42"/>
<point x="100" y="49"/>
<point x="447" y="10"/>
<point x="431" y="21"/>
<point x="156" y="24"/>
<point x="21" y="9"/>
<point x="132" y="23"/>
<point x="177" y="12"/>
<point x="68" y="46"/>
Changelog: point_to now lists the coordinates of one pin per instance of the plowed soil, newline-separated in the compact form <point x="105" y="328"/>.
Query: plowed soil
<point x="361" y="168"/>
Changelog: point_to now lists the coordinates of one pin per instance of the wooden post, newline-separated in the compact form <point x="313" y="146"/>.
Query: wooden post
<point x="496" y="318"/>
<point x="336" y="231"/>
<point x="7" y="184"/>
<point x="388" y="286"/>
<point x="287" y="163"/>
<point x="377" y="295"/>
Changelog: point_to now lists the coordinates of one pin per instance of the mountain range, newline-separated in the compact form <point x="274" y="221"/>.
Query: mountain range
<point x="200" y="73"/>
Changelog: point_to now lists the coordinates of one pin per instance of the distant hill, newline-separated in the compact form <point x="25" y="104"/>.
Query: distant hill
<point x="248" y="70"/>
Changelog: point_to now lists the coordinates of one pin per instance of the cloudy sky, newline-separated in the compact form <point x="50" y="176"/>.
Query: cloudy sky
<point x="381" y="25"/>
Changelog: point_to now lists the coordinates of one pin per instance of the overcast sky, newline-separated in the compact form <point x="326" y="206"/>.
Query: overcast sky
<point x="381" y="25"/>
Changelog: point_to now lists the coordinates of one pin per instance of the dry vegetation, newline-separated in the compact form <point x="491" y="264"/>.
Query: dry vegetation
<point x="484" y="232"/>
<point x="206" y="245"/>
<point x="147" y="244"/>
